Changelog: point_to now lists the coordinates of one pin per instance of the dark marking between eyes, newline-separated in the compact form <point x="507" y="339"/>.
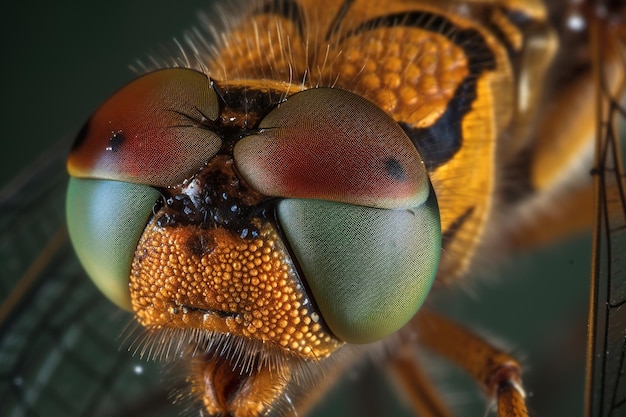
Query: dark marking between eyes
<point x="115" y="141"/>
<point x="200" y="245"/>
<point x="395" y="170"/>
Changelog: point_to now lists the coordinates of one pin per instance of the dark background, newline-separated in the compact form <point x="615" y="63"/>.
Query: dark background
<point x="61" y="59"/>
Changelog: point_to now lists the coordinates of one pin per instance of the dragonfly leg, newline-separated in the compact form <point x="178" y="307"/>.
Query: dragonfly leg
<point x="498" y="373"/>
<point x="416" y="385"/>
<point x="572" y="214"/>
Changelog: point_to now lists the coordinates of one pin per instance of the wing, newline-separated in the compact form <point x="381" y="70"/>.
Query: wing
<point x="606" y="374"/>
<point x="59" y="338"/>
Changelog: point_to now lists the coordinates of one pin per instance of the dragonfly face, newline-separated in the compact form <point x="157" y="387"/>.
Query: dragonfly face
<point x="259" y="187"/>
<point x="149" y="205"/>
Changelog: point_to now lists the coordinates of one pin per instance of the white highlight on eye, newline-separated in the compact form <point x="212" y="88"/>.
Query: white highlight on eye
<point x="138" y="369"/>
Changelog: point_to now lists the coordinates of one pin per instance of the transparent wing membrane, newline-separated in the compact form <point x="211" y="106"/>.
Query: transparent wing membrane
<point x="606" y="377"/>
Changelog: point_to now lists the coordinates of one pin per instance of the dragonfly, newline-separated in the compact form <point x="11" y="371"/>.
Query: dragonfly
<point x="57" y="323"/>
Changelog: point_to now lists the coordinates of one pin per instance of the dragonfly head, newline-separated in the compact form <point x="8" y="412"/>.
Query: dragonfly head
<point x="301" y="221"/>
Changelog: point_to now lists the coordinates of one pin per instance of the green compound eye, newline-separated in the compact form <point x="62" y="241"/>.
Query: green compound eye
<point x="105" y="221"/>
<point x="359" y="211"/>
<point x="369" y="269"/>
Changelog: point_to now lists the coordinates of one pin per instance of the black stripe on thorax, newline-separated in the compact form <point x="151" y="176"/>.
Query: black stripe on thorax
<point x="288" y="9"/>
<point x="335" y="26"/>
<point x="439" y="142"/>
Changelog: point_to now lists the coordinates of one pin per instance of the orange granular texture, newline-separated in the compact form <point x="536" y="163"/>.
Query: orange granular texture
<point x="189" y="277"/>
<point x="410" y="73"/>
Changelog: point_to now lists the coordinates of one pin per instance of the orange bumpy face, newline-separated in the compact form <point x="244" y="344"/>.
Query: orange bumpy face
<point x="214" y="280"/>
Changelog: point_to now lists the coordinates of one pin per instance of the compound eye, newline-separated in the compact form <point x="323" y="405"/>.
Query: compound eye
<point x="331" y="144"/>
<point x="152" y="131"/>
<point x="105" y="221"/>
<point x="369" y="269"/>
<point x="359" y="212"/>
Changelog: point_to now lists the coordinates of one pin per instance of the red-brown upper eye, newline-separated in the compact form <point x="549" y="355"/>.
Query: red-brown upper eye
<point x="331" y="144"/>
<point x="150" y="131"/>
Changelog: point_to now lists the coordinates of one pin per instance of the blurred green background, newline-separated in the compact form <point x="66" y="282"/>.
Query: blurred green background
<point x="61" y="59"/>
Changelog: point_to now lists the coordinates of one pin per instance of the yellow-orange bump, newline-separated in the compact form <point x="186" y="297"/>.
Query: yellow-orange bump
<point x="419" y="70"/>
